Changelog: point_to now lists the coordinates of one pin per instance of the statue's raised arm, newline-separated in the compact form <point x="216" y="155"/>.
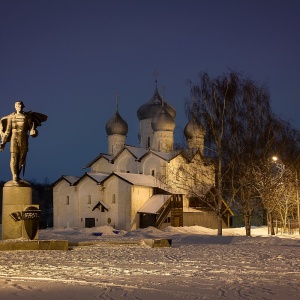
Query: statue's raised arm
<point x="15" y="128"/>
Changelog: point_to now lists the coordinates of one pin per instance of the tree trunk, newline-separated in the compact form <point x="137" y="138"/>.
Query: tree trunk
<point x="247" y="219"/>
<point x="271" y="224"/>
<point x="219" y="194"/>
<point x="220" y="225"/>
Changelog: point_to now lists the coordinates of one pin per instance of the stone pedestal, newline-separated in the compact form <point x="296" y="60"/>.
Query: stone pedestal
<point x="16" y="198"/>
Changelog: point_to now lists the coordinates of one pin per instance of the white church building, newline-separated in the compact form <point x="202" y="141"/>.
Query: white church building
<point x="132" y="187"/>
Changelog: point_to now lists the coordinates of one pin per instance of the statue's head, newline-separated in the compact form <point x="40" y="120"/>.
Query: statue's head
<point x="19" y="105"/>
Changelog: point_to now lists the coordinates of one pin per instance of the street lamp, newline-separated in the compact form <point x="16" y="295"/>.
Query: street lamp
<point x="281" y="166"/>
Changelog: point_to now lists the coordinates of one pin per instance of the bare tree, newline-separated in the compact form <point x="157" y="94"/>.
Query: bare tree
<point x="213" y="105"/>
<point x="251" y="126"/>
<point x="242" y="134"/>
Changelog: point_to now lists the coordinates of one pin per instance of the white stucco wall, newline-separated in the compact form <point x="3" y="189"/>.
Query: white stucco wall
<point x="184" y="176"/>
<point x="145" y="131"/>
<point x="65" y="203"/>
<point x="116" y="143"/>
<point x="163" y="141"/>
<point x="153" y="162"/>
<point x="117" y="195"/>
<point x="140" y="195"/>
<point x="126" y="162"/>
<point x="102" y="165"/>
<point x="89" y="194"/>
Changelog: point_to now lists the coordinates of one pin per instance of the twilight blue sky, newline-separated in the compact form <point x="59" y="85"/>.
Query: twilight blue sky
<point x="67" y="59"/>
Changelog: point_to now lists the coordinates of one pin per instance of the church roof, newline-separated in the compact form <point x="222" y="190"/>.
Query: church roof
<point x="116" y="125"/>
<point x="108" y="157"/>
<point x="139" y="153"/>
<point x="150" y="108"/>
<point x="167" y="156"/>
<point x="189" y="153"/>
<point x="70" y="179"/>
<point x="194" y="128"/>
<point x="97" y="177"/>
<point x="131" y="178"/>
<point x="136" y="151"/>
<point x="142" y="180"/>
<point x="154" y="203"/>
<point x="163" y="120"/>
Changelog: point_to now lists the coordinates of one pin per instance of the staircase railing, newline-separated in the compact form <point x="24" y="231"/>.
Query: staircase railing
<point x="164" y="213"/>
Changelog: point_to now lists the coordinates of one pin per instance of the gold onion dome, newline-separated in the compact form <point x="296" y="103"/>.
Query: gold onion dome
<point x="193" y="128"/>
<point x="150" y="108"/>
<point x="116" y="125"/>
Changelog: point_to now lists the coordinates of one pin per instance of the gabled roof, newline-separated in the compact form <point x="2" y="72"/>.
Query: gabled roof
<point x="142" y="180"/>
<point x="131" y="178"/>
<point x="140" y="153"/>
<point x="189" y="154"/>
<point x="108" y="157"/>
<point x="167" y="156"/>
<point x="97" y="177"/>
<point x="137" y="152"/>
<point x="70" y="179"/>
<point x="103" y="204"/>
<point x="154" y="203"/>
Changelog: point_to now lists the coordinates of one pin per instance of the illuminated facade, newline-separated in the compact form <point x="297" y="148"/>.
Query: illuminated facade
<point x="131" y="187"/>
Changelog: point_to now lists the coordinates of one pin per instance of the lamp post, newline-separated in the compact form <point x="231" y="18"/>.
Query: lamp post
<point x="297" y="199"/>
<point x="270" y="217"/>
<point x="281" y="167"/>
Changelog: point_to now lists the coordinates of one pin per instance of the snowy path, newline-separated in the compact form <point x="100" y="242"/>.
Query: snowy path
<point x="201" y="267"/>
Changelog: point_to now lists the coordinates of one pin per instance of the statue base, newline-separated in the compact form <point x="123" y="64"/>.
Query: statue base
<point x="17" y="198"/>
<point x="21" y="183"/>
<point x="22" y="245"/>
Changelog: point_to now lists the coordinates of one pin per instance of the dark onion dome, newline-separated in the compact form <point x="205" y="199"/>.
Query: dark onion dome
<point x="116" y="125"/>
<point x="193" y="128"/>
<point x="163" y="120"/>
<point x="150" y="108"/>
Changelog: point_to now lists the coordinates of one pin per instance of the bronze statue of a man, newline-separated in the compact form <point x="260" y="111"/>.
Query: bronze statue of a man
<point x="15" y="128"/>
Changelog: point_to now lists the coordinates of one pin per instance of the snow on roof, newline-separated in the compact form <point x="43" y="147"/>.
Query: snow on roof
<point x="70" y="179"/>
<point x="189" y="154"/>
<point x="137" y="151"/>
<point x="191" y="210"/>
<point x="99" y="177"/>
<point x="143" y="180"/>
<point x="154" y="203"/>
<point x="167" y="156"/>
<point x="106" y="156"/>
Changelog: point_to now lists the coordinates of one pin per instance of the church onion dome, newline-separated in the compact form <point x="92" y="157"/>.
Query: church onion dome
<point x="150" y="108"/>
<point x="193" y="128"/>
<point x="116" y="125"/>
<point x="163" y="120"/>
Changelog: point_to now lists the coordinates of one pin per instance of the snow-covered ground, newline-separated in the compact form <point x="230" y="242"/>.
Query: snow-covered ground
<point x="199" y="265"/>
